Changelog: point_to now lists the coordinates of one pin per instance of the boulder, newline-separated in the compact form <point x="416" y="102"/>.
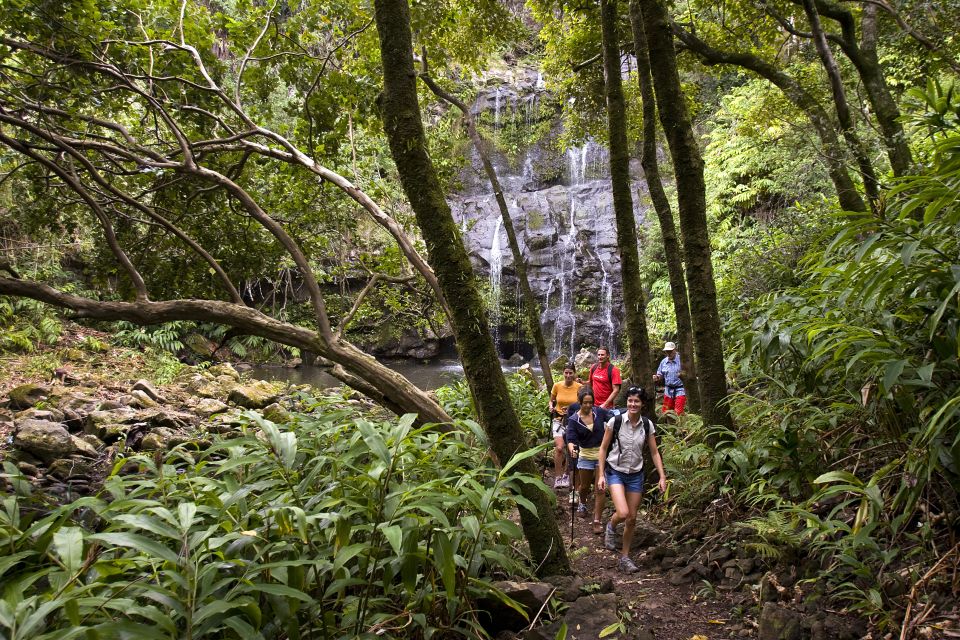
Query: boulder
<point x="277" y="414"/>
<point x="569" y="588"/>
<point x="516" y="360"/>
<point x="496" y="616"/>
<point x="586" y="617"/>
<point x="64" y="468"/>
<point x="224" y="369"/>
<point x="559" y="363"/>
<point x="142" y="399"/>
<point x="49" y="440"/>
<point x="779" y="623"/>
<point x="167" y="418"/>
<point x="50" y="415"/>
<point x="96" y="421"/>
<point x="256" y="394"/>
<point x="159" y="439"/>
<point x="146" y="387"/>
<point x="209" y="406"/>
<point x="584" y="359"/>
<point x="27" y="395"/>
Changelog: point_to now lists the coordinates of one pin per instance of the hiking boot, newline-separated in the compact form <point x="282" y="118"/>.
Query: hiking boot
<point x="583" y="511"/>
<point x="626" y="565"/>
<point x="610" y="538"/>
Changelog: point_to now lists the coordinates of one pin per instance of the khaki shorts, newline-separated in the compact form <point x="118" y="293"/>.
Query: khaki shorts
<point x="559" y="427"/>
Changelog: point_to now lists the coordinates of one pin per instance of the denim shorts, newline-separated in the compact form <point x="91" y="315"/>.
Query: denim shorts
<point x="586" y="464"/>
<point x="632" y="482"/>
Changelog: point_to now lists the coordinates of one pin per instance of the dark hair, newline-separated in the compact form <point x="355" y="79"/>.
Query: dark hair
<point x="639" y="392"/>
<point x="570" y="366"/>
<point x="603" y="348"/>
<point x="585" y="390"/>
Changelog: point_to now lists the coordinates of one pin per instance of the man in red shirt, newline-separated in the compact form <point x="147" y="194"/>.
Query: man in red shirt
<point x="605" y="380"/>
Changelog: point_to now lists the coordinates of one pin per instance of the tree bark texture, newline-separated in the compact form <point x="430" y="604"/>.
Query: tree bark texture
<point x="845" y="118"/>
<point x="692" y="204"/>
<point x="530" y="304"/>
<point x="446" y="253"/>
<point x="668" y="230"/>
<point x="864" y="58"/>
<point x="634" y="298"/>
<point x="833" y="152"/>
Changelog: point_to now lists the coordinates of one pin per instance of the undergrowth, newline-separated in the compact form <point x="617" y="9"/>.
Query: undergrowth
<point x="332" y="526"/>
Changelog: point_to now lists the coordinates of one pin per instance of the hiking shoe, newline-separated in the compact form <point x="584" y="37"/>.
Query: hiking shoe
<point x="558" y="483"/>
<point x="583" y="511"/>
<point x="563" y="482"/>
<point x="610" y="538"/>
<point x="626" y="565"/>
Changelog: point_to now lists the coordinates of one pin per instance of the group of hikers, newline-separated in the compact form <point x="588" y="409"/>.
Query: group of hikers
<point x="602" y="447"/>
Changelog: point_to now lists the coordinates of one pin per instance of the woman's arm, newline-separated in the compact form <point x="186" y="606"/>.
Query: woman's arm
<point x="602" y="459"/>
<point x="657" y="461"/>
<point x="573" y="440"/>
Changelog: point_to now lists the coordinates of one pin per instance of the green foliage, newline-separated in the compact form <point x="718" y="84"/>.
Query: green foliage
<point x="328" y="527"/>
<point x="165" y="337"/>
<point x="528" y="401"/>
<point x="26" y="324"/>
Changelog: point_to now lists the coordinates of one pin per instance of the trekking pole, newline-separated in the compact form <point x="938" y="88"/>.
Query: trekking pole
<point x="573" y="493"/>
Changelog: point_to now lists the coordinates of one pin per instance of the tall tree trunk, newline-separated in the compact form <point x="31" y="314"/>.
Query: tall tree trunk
<point x="634" y="298"/>
<point x="408" y="145"/>
<point x="833" y="151"/>
<point x="845" y="118"/>
<point x="530" y="304"/>
<point x="691" y="198"/>
<point x="865" y="60"/>
<point x="668" y="231"/>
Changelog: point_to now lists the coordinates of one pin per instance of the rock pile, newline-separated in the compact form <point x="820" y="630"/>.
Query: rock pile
<point x="66" y="438"/>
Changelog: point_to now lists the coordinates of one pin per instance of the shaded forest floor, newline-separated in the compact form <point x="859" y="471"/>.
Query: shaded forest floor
<point x="669" y="611"/>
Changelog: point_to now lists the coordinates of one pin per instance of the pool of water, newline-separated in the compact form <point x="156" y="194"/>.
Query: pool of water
<point x="426" y="376"/>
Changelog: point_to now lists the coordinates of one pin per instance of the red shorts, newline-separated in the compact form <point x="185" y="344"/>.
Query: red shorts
<point x="677" y="404"/>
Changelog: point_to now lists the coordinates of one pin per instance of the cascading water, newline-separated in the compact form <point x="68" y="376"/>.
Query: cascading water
<point x="496" y="277"/>
<point x="561" y="209"/>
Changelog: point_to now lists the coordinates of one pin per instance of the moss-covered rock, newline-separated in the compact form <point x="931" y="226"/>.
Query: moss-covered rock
<point x="255" y="394"/>
<point x="49" y="441"/>
<point x="276" y="413"/>
<point x="27" y="395"/>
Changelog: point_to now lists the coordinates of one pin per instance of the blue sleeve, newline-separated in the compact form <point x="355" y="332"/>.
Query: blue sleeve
<point x="572" y="431"/>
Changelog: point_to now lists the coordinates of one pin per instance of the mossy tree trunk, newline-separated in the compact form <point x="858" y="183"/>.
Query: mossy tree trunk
<point x="634" y="298"/>
<point x="668" y="230"/>
<point x="692" y="204"/>
<point x="446" y="253"/>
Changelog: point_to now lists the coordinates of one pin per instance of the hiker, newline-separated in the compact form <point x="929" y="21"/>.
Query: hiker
<point x="605" y="380"/>
<point x="562" y="396"/>
<point x="670" y="374"/>
<point x="620" y="469"/>
<point x="585" y="431"/>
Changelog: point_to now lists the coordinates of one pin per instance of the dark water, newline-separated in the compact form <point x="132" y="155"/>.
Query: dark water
<point x="426" y="376"/>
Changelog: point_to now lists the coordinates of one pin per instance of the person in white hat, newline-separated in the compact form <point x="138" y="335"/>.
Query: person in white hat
<point x="670" y="374"/>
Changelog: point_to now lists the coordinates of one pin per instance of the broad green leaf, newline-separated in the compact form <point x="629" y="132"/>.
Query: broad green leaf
<point x="138" y="543"/>
<point x="68" y="543"/>
<point x="838" y="476"/>
<point x="394" y="535"/>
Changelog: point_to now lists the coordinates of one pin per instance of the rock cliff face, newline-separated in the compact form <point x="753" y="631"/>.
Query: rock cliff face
<point x="562" y="210"/>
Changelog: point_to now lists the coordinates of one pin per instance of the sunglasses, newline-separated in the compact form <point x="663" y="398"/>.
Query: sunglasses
<point x="635" y="390"/>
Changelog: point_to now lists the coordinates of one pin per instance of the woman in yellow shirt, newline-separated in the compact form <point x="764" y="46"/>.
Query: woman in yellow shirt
<point x="562" y="396"/>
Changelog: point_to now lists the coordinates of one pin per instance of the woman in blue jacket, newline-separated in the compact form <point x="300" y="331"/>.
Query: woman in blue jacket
<point x="584" y="434"/>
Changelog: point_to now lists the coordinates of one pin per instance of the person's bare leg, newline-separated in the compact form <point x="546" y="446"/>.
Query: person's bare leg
<point x="621" y="508"/>
<point x="599" y="498"/>
<point x="586" y="480"/>
<point x="559" y="457"/>
<point x="633" y="503"/>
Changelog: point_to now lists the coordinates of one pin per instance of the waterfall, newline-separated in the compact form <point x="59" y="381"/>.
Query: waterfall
<point x="606" y="297"/>
<point x="496" y="275"/>
<point x="496" y="110"/>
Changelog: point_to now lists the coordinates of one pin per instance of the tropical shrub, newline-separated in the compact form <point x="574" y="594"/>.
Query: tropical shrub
<point x="328" y="527"/>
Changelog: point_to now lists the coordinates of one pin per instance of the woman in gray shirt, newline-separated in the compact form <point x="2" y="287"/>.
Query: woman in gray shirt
<point x="620" y="467"/>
